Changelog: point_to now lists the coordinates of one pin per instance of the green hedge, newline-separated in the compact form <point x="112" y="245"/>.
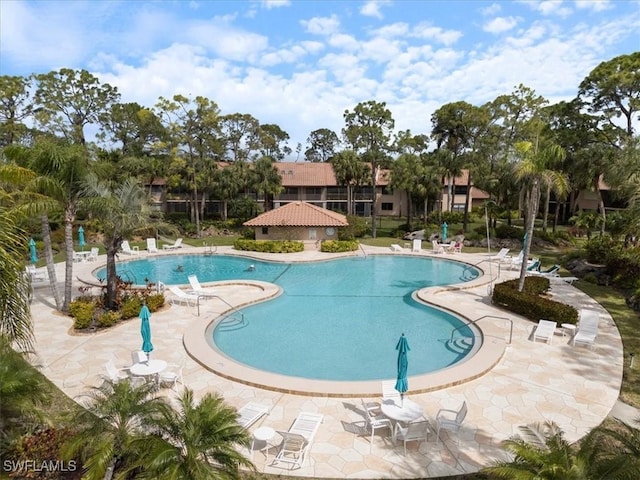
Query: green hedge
<point x="269" y="246"/>
<point x="335" y="246"/>
<point x="530" y="304"/>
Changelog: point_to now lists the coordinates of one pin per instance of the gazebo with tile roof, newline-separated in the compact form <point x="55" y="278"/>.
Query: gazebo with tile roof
<point x="298" y="221"/>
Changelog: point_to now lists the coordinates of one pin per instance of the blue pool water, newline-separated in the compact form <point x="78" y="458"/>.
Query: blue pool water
<point x="337" y="320"/>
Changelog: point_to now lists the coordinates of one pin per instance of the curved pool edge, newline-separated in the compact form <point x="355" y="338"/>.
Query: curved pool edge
<point x="198" y="332"/>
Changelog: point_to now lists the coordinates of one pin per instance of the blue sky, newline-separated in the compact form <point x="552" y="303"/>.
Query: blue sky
<point x="301" y="63"/>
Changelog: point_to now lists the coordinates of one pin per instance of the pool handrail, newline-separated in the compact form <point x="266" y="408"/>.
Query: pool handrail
<point x="473" y="322"/>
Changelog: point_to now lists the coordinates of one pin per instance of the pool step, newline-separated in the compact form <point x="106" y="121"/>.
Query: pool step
<point x="232" y="323"/>
<point x="460" y="344"/>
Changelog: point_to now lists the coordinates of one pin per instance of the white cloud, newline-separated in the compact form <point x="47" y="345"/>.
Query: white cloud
<point x="227" y="41"/>
<point x="595" y="5"/>
<point x="501" y="24"/>
<point x="321" y="25"/>
<point x="372" y="8"/>
<point x="554" y="8"/>
<point x="491" y="10"/>
<point x="430" y="32"/>
<point x="269" y="4"/>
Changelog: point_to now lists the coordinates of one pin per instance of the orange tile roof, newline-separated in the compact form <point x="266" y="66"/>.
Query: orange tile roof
<point x="298" y="214"/>
<point x="314" y="174"/>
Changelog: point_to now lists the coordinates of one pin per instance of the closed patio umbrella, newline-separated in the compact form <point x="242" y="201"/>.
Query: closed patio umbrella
<point x="81" y="237"/>
<point x="145" y="330"/>
<point x="402" y="384"/>
<point x="32" y="251"/>
<point x="445" y="231"/>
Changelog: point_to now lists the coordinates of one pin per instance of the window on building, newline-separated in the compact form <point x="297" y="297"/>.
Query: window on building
<point x="387" y="206"/>
<point x="265" y="230"/>
<point x="460" y="190"/>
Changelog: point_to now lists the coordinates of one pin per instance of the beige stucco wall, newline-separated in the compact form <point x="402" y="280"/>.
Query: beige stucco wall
<point x="305" y="234"/>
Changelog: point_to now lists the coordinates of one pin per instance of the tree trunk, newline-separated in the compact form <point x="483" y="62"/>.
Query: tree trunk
<point x="197" y="212"/>
<point x="51" y="267"/>
<point x="374" y="177"/>
<point x="603" y="213"/>
<point x="112" y="276"/>
<point x="546" y="209"/>
<point x="532" y="208"/>
<point x="69" y="218"/>
<point x="466" y="203"/>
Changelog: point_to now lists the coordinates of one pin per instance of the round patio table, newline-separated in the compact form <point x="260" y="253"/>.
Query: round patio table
<point x="145" y="369"/>
<point x="403" y="411"/>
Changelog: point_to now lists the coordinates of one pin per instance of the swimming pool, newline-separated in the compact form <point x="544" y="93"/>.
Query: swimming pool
<point x="337" y="320"/>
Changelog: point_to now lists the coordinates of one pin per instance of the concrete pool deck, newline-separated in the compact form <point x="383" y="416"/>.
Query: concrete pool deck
<point x="576" y="387"/>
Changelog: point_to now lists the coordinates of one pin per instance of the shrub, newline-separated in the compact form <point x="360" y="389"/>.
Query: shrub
<point x="452" y="217"/>
<point x="599" y="248"/>
<point x="108" y="319"/>
<point x="82" y="312"/>
<point x="42" y="447"/>
<point x="155" y="302"/>
<point x="509" y="231"/>
<point x="334" y="246"/>
<point x="357" y="228"/>
<point x="131" y="307"/>
<point x="269" y="246"/>
<point x="530" y="304"/>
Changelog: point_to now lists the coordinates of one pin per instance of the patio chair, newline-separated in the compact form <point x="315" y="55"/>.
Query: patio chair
<point x="375" y="422"/>
<point x="417" y="245"/>
<point x="171" y="376"/>
<point x="450" y="420"/>
<point x="128" y="250"/>
<point x="549" y="272"/>
<point x="114" y="373"/>
<point x="93" y="256"/>
<point x="587" y="327"/>
<point x="138" y="357"/>
<point x="197" y="289"/>
<point x="395" y="247"/>
<point x="297" y="441"/>
<point x="180" y="296"/>
<point x="250" y="413"/>
<point x="176" y="244"/>
<point x="436" y="247"/>
<point x="545" y="330"/>
<point x="501" y="255"/>
<point x="37" y="274"/>
<point x="412" y="432"/>
<point x="515" y="262"/>
<point x="151" y="245"/>
<point x="389" y="389"/>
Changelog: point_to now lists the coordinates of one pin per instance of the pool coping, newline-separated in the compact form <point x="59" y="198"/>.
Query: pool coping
<point x="203" y="351"/>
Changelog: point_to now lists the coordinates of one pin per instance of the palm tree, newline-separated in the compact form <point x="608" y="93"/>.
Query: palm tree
<point x="266" y="180"/>
<point x="15" y="315"/>
<point x="533" y="170"/>
<point x="541" y="452"/>
<point x="121" y="210"/>
<point x="195" y="441"/>
<point x="351" y="172"/>
<point x="114" y="415"/>
<point x="22" y="390"/>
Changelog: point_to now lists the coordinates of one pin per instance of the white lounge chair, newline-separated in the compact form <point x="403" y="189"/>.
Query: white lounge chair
<point x="180" y="296"/>
<point x="197" y="289"/>
<point x="417" y="245"/>
<point x="297" y="441"/>
<point x="516" y="262"/>
<point x="395" y="247"/>
<point x="436" y="247"/>
<point x="250" y="413"/>
<point x="152" y="247"/>
<point x="545" y="330"/>
<point x="93" y="254"/>
<point x="375" y="422"/>
<point x="412" y="432"/>
<point x="451" y="420"/>
<point x="128" y="250"/>
<point x="176" y="244"/>
<point x="587" y="327"/>
<point x="389" y="389"/>
<point x="501" y="255"/>
<point x="549" y="272"/>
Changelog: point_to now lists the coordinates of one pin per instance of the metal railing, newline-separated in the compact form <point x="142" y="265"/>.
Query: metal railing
<point x="482" y="318"/>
